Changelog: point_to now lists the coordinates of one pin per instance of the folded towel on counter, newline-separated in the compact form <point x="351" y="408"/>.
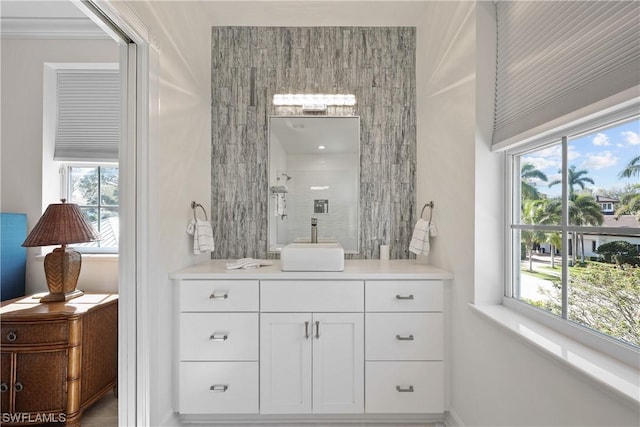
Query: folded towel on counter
<point x="202" y="236"/>
<point x="247" y="264"/>
<point x="420" y="239"/>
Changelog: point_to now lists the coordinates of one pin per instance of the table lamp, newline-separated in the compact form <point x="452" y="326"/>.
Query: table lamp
<point x="61" y="224"/>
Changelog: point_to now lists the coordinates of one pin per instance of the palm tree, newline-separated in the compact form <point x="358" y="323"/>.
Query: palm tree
<point x="632" y="169"/>
<point x="528" y="172"/>
<point x="630" y="203"/>
<point x="584" y="210"/>
<point x="555" y="241"/>
<point x="576" y="178"/>
<point x="536" y="212"/>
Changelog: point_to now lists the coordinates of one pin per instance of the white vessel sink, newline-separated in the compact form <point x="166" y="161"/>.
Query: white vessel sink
<point x="312" y="257"/>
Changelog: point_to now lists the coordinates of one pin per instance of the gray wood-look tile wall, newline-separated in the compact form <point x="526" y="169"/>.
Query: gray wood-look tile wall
<point x="251" y="64"/>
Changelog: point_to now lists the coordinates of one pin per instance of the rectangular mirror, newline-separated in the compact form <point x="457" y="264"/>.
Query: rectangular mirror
<point x="314" y="171"/>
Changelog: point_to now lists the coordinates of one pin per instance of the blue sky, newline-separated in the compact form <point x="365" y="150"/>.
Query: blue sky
<point x="603" y="153"/>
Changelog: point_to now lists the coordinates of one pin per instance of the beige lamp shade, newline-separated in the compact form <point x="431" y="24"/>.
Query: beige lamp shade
<point x="61" y="224"/>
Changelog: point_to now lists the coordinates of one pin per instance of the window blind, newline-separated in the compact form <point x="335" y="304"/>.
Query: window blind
<point x="555" y="58"/>
<point x="88" y="115"/>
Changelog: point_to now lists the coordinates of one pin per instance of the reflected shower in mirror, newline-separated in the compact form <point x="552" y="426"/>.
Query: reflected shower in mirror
<point x="314" y="171"/>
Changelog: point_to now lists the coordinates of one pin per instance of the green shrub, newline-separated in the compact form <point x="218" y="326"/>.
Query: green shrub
<point x="619" y="252"/>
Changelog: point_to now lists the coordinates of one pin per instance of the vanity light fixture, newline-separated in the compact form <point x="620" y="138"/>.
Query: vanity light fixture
<point x="314" y="102"/>
<point x="319" y="187"/>
<point x="321" y="147"/>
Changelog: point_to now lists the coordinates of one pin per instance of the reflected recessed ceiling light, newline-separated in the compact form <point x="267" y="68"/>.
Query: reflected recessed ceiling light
<point x="321" y="147"/>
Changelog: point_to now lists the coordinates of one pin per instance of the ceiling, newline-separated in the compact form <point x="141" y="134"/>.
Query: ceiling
<point x="59" y="19"/>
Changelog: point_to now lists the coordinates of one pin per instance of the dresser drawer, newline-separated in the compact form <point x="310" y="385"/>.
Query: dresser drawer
<point x="311" y="295"/>
<point x="404" y="336"/>
<point x="410" y="295"/>
<point x="218" y="387"/>
<point x="40" y="333"/>
<point x="219" y="336"/>
<point x="219" y="295"/>
<point x="404" y="387"/>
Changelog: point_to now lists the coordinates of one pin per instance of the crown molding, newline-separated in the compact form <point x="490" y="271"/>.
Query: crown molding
<point x="50" y="28"/>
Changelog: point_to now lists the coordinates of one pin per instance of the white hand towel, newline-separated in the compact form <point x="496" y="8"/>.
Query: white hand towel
<point x="202" y="236"/>
<point x="247" y="264"/>
<point x="420" y="244"/>
<point x="281" y="204"/>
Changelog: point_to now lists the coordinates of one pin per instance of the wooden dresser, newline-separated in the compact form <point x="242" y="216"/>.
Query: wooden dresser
<point x="57" y="358"/>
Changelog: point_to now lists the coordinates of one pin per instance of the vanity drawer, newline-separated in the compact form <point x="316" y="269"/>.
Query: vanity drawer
<point x="219" y="295"/>
<point x="219" y="336"/>
<point x="311" y="295"/>
<point x="404" y="387"/>
<point x="218" y="387"/>
<point x="404" y="336"/>
<point x="409" y="295"/>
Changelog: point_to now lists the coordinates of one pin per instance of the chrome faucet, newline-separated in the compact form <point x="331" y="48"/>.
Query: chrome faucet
<point x="314" y="230"/>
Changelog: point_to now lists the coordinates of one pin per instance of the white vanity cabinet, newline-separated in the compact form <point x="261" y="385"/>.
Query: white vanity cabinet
<point x="311" y="360"/>
<point x="311" y="363"/>
<point x="362" y="345"/>
<point x="404" y="346"/>
<point x="218" y="346"/>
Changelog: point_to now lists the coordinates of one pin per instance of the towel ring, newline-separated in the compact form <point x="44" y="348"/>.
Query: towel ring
<point x="430" y="206"/>
<point x="195" y="206"/>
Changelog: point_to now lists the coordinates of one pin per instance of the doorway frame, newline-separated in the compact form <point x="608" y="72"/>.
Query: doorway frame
<point x="140" y="61"/>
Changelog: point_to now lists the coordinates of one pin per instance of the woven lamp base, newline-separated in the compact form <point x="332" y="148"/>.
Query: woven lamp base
<point x="62" y="269"/>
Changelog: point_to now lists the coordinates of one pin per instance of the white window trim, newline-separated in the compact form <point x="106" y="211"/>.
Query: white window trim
<point x="607" y="346"/>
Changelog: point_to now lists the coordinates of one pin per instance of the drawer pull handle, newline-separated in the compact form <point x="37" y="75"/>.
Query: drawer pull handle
<point x="317" y="329"/>
<point x="306" y="330"/>
<point x="407" y="338"/>
<point x="218" y="296"/>
<point x="18" y="387"/>
<point x="4" y="388"/>
<point x="404" y="389"/>
<point x="219" y="388"/>
<point x="401" y="297"/>
<point x="11" y="336"/>
<point x="219" y="337"/>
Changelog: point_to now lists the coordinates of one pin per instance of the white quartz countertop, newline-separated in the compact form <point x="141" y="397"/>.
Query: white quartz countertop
<point x="353" y="270"/>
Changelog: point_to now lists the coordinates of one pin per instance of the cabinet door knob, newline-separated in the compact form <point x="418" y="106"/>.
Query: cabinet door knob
<point x="18" y="387"/>
<point x="317" y="329"/>
<point x="404" y="338"/>
<point x="404" y="389"/>
<point x="12" y="336"/>
<point x="306" y="330"/>
<point x="219" y="336"/>
<point x="219" y="388"/>
<point x="404" y="297"/>
<point x="4" y="388"/>
<point x="218" y="296"/>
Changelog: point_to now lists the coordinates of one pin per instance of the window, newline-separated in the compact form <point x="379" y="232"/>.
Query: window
<point x="81" y="137"/>
<point x="594" y="282"/>
<point x="94" y="188"/>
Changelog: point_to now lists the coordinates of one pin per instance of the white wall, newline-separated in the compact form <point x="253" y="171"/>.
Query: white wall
<point x="495" y="379"/>
<point x="182" y="170"/>
<point x="21" y="144"/>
